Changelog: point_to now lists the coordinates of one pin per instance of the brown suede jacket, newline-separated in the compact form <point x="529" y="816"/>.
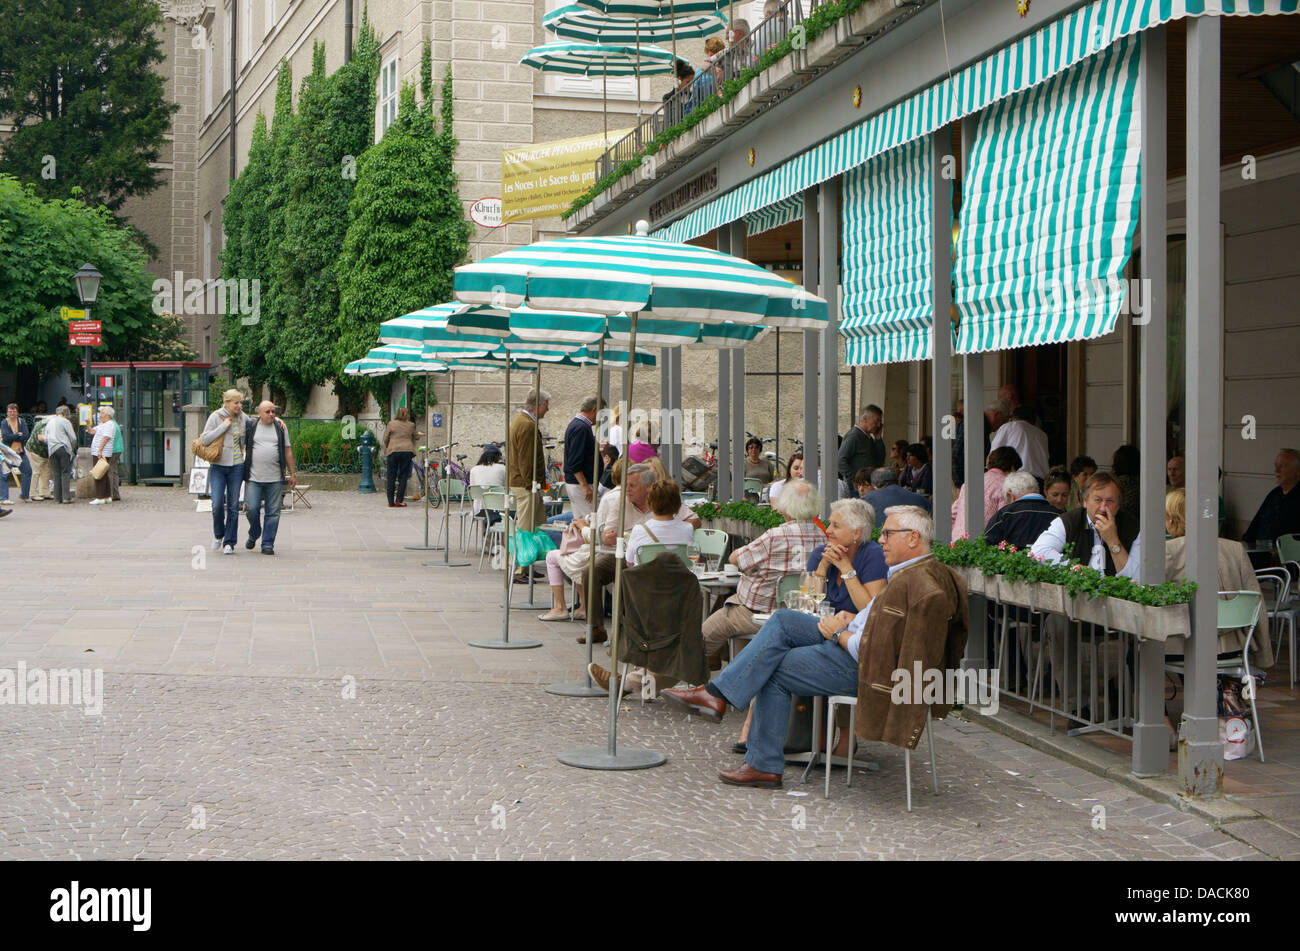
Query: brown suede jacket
<point x="920" y="616"/>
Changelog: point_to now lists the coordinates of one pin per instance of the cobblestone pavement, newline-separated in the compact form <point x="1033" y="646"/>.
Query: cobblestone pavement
<point x="226" y="731"/>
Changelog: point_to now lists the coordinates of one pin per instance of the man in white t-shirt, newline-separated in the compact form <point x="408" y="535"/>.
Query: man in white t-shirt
<point x="1026" y="439"/>
<point x="266" y="469"/>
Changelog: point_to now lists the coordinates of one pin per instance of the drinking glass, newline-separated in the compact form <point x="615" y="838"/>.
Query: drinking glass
<point x="792" y="600"/>
<point x="693" y="554"/>
<point x="825" y="609"/>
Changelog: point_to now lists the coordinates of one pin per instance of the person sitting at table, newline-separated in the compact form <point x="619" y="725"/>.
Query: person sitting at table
<point x="1001" y="462"/>
<point x="884" y="491"/>
<point x="862" y="482"/>
<point x="488" y="471"/>
<point x="851" y="564"/>
<point x="1025" y="516"/>
<point x="608" y="456"/>
<point x="756" y="467"/>
<point x="664" y="527"/>
<point x="1081" y="470"/>
<point x="918" y="476"/>
<point x="920" y="617"/>
<point x="639" y="449"/>
<point x="1057" y="487"/>
<point x="1279" y="513"/>
<point x="793" y="470"/>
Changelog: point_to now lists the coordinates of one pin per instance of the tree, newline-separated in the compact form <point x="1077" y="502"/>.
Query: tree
<point x="78" y="80"/>
<point x="407" y="232"/>
<point x="164" y="340"/>
<point x="42" y="243"/>
<point x="333" y="128"/>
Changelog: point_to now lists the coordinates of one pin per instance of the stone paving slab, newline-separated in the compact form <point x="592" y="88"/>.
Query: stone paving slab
<point x="226" y="732"/>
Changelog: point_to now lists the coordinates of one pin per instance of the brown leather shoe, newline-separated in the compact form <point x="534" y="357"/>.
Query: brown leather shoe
<point x="602" y="677"/>
<point x="598" y="636"/>
<point x="698" y="701"/>
<point x="746" y="775"/>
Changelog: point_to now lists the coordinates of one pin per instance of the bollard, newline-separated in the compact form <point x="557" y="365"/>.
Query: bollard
<point x="367" y="450"/>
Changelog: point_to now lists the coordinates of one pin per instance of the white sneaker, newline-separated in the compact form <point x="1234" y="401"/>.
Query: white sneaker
<point x="216" y="543"/>
<point x="96" y="501"/>
<point x="228" y="550"/>
<point x="106" y="501"/>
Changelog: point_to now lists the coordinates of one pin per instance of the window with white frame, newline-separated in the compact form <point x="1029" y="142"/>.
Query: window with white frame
<point x="207" y="246"/>
<point x="246" y="22"/>
<point x="209" y="80"/>
<point x="226" y="50"/>
<point x="387" y="96"/>
<point x="560" y="84"/>
<point x="270" y="15"/>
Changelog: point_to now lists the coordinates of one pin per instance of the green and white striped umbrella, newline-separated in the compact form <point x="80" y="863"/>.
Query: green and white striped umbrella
<point x="370" y="367"/>
<point x="658" y="279"/>
<point x="657" y="9"/>
<point x="599" y="59"/>
<point x="576" y="22"/>
<point x="429" y="325"/>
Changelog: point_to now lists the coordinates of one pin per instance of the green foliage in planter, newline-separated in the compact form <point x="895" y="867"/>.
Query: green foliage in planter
<point x="750" y="512"/>
<point x="817" y="23"/>
<point x="1076" y="578"/>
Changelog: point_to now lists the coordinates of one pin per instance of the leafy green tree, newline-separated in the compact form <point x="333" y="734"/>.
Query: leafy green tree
<point x="407" y="233"/>
<point x="78" y="80"/>
<point x="42" y="244"/>
<point x="333" y="128"/>
<point x="164" y="340"/>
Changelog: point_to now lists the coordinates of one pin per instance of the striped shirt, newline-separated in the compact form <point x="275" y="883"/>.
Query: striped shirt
<point x="768" y="558"/>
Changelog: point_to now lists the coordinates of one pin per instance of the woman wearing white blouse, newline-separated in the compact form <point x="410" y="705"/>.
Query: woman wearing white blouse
<point x="663" y="527"/>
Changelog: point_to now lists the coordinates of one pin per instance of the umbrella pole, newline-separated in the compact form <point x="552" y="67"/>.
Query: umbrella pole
<point x="504" y="642"/>
<point x="595" y="599"/>
<point x="604" y="105"/>
<point x="610" y="757"/>
<point x="533" y="491"/>
<point x="636" y="70"/>
<point x="672" y="28"/>
<point x="426" y="546"/>
<point x="446" y="475"/>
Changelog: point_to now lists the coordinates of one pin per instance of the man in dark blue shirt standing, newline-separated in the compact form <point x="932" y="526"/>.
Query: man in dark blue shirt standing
<point x="579" y="459"/>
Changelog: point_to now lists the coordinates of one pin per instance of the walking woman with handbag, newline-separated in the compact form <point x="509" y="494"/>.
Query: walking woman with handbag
<point x="101" y="451"/>
<point x="226" y="473"/>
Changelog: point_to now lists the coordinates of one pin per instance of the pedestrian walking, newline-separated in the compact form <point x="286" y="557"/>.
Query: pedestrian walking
<point x="101" y="450"/>
<point x="61" y="441"/>
<point x="400" y="436"/>
<point x="226" y="474"/>
<point x="268" y="465"/>
<point x="14" y="434"/>
<point x="39" y="454"/>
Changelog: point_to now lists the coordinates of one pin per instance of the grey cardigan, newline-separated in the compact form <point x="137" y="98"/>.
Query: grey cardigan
<point x="218" y="427"/>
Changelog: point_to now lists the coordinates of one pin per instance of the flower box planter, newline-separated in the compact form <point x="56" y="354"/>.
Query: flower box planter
<point x="1147" y="621"/>
<point x="1048" y="598"/>
<point x="1086" y="609"/>
<point x="1014" y="592"/>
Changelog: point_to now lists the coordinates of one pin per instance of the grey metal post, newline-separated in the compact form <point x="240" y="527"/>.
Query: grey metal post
<point x="446" y="474"/>
<point x="829" y="271"/>
<point x="941" y="356"/>
<point x="675" y="354"/>
<point x="665" y="402"/>
<point x="1200" y="754"/>
<point x="811" y="343"/>
<point x="737" y="395"/>
<point x="1150" y="741"/>
<point x="722" y="487"/>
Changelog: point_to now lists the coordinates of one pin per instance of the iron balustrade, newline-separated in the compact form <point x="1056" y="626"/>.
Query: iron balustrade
<point x="710" y="78"/>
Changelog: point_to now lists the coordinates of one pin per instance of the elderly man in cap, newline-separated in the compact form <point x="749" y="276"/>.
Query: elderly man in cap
<point x="886" y="492"/>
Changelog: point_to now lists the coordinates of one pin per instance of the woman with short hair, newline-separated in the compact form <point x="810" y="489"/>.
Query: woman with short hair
<point x="1001" y="462"/>
<point x="756" y="467"/>
<point x="1057" y="487"/>
<point x="14" y="434"/>
<point x="852" y="565"/>
<point x="226" y="475"/>
<point x="400" y="436"/>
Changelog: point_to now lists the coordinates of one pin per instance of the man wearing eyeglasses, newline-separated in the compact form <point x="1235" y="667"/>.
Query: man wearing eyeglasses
<point x="267" y="467"/>
<point x="919" y="617"/>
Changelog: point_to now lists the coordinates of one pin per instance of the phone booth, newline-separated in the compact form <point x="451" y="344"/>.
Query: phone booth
<point x="147" y="398"/>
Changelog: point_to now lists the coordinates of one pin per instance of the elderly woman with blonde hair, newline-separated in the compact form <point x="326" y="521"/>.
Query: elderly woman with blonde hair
<point x="226" y="475"/>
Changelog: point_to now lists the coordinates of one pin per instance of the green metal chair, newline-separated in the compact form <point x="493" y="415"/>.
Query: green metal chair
<point x="1237" y="609"/>
<point x="753" y="485"/>
<point x="495" y="500"/>
<point x="648" y="553"/>
<point x="787" y="584"/>
<point x="712" y="543"/>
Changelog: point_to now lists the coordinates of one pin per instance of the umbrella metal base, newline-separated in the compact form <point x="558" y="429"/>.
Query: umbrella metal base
<point x="598" y="757"/>
<point x="446" y="564"/>
<point x="499" y="644"/>
<point x="424" y="547"/>
<point x="576" y="690"/>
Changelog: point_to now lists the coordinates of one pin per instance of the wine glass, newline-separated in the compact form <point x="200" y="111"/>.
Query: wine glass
<point x="693" y="554"/>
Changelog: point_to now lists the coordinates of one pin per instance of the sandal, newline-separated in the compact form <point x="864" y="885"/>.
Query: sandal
<point x="579" y="615"/>
<point x="553" y="616"/>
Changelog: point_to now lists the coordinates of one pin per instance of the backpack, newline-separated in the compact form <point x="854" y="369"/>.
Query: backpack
<point x="34" y="445"/>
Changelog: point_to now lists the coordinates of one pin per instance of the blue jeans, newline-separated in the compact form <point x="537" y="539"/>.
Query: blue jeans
<point x="223" y="486"/>
<point x="255" y="494"/>
<point x="24" y="478"/>
<point x="787" y="656"/>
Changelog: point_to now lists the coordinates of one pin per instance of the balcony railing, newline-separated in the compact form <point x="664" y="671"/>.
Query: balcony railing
<point x="710" y="78"/>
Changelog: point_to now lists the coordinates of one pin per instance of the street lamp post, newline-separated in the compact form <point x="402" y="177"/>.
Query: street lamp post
<point x="87" y="280"/>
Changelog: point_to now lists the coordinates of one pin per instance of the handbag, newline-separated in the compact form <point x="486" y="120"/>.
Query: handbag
<point x="209" y="453"/>
<point x="100" y="469"/>
<point x="571" y="540"/>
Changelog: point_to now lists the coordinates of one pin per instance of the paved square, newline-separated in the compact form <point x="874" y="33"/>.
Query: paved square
<point x="324" y="703"/>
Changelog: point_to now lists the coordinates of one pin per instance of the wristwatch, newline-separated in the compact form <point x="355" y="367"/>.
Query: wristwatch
<point x="1116" y="549"/>
<point x="847" y="575"/>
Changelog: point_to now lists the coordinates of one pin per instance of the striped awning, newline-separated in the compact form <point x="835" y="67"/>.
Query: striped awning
<point x="1026" y="63"/>
<point x="774" y="216"/>
<point x="1052" y="202"/>
<point x="886" y="280"/>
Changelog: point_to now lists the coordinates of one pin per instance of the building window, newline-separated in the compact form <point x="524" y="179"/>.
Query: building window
<point x="226" y="50"/>
<point x="387" y="96"/>
<point x="209" y="81"/>
<point x="270" y="15"/>
<point x="207" y="246"/>
<point x="246" y="23"/>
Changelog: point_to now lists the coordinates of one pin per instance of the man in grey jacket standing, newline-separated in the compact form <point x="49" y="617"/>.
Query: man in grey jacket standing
<point x="863" y="447"/>
<point x="61" y="441"/>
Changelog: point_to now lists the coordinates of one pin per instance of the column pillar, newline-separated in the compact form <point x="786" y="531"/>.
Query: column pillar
<point x="829" y="272"/>
<point x="941" y="355"/>
<point x="1200" y="755"/>
<point x="811" y="344"/>
<point x="723" y="485"/>
<point x="737" y="394"/>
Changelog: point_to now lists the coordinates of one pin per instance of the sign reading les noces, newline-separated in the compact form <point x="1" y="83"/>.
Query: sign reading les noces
<point x="538" y="181"/>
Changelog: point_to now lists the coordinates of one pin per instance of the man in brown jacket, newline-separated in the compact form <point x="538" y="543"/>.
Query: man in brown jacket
<point x="527" y="463"/>
<point x="920" y="616"/>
